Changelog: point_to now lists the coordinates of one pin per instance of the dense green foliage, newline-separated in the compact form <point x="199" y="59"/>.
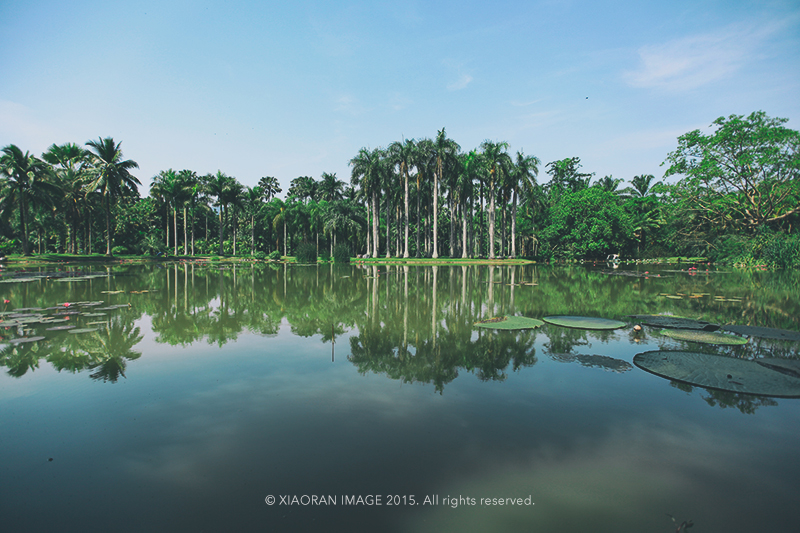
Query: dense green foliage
<point x="306" y="253"/>
<point x="735" y="196"/>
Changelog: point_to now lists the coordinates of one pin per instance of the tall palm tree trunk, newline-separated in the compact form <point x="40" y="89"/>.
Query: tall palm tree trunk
<point x="175" y="229"/>
<point x="220" y="231"/>
<point x="436" y="214"/>
<point x="491" y="220"/>
<point x="465" y="245"/>
<point x="375" y="242"/>
<point x="108" y="226"/>
<point x="514" y="224"/>
<point x="185" y="233"/>
<point x="405" y="214"/>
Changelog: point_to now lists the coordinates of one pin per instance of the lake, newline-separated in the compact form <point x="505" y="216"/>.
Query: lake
<point x="364" y="398"/>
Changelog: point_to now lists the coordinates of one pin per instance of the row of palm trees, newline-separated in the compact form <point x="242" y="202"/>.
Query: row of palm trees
<point x="412" y="189"/>
<point x="66" y="180"/>
<point x="440" y="171"/>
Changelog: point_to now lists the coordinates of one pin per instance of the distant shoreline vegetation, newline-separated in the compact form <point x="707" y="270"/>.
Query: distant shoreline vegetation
<point x="736" y="200"/>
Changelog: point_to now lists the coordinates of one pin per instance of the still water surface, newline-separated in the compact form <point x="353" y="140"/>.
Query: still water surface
<point x="222" y="385"/>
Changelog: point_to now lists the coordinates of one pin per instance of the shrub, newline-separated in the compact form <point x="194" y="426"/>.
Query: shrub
<point x="274" y="255"/>
<point x="306" y="253"/>
<point x="783" y="251"/>
<point x="341" y="253"/>
<point x="325" y="255"/>
<point x="260" y="255"/>
<point x="119" y="250"/>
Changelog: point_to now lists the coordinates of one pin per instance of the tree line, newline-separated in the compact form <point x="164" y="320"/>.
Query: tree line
<point x="736" y="195"/>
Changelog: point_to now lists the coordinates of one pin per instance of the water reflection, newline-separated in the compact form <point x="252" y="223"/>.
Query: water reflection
<point x="410" y="323"/>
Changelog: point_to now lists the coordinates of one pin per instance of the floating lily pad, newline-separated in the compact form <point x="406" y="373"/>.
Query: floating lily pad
<point x="93" y="314"/>
<point x="790" y="367"/>
<point x="719" y="372"/>
<point x="509" y="322"/>
<point x="60" y="328"/>
<point x="594" y="361"/>
<point x="90" y="304"/>
<point x="111" y="292"/>
<point x="584" y="322"/>
<point x="17" y="280"/>
<point x="22" y="340"/>
<point x="708" y="337"/>
<point x="82" y="330"/>
<point x="674" y="322"/>
<point x="764" y="333"/>
<point x="72" y="279"/>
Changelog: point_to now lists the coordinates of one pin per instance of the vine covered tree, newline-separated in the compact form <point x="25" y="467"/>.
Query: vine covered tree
<point x="743" y="175"/>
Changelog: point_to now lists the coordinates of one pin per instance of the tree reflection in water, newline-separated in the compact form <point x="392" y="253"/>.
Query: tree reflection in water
<point x="411" y="323"/>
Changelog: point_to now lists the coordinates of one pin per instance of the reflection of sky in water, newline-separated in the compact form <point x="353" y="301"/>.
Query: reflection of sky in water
<point x="197" y="436"/>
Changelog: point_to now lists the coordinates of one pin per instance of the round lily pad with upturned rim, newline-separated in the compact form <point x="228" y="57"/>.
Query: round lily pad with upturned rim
<point x="708" y="337"/>
<point x="764" y="333"/>
<point x="510" y="322"/>
<point x="718" y="372"/>
<point x="584" y="322"/>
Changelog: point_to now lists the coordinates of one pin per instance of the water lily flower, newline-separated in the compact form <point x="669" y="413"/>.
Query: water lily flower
<point x="6" y="301"/>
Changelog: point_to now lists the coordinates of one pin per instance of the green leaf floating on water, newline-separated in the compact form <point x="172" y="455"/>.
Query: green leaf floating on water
<point x="82" y="330"/>
<point x="719" y="372"/>
<point x="707" y="337"/>
<point x="764" y="333"/>
<point x="509" y="322"/>
<point x="677" y="322"/>
<point x="23" y="340"/>
<point x="584" y="322"/>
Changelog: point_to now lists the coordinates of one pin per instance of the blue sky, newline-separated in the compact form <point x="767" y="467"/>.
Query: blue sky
<point x="290" y="89"/>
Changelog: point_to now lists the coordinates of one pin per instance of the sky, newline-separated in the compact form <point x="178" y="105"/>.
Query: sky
<point x="296" y="88"/>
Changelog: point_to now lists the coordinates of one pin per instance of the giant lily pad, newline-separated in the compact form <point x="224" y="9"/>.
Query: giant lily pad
<point x="790" y="367"/>
<point x="82" y="330"/>
<point x="22" y="340"/>
<point x="509" y="322"/>
<point x="707" y="337"/>
<point x="584" y="322"/>
<point x="60" y="328"/>
<point x="594" y="361"/>
<point x="764" y="333"/>
<point x="675" y="322"/>
<point x="719" y="372"/>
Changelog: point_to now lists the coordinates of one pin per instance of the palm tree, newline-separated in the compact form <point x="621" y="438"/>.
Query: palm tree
<point x="367" y="170"/>
<point x="165" y="188"/>
<point x="188" y="181"/>
<point x="471" y="165"/>
<point x="329" y="188"/>
<point x="280" y="220"/>
<point x="69" y="163"/>
<point x="218" y="186"/>
<point x="25" y="184"/>
<point x="523" y="176"/>
<point x="402" y="154"/>
<point x="445" y="150"/>
<point x="304" y="188"/>
<point x="252" y="206"/>
<point x="422" y="158"/>
<point x="111" y="177"/>
<point x="269" y="186"/>
<point x="499" y="162"/>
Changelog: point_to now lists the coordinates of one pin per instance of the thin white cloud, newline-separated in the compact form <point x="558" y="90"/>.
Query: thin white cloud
<point x="694" y="61"/>
<point x="461" y="83"/>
